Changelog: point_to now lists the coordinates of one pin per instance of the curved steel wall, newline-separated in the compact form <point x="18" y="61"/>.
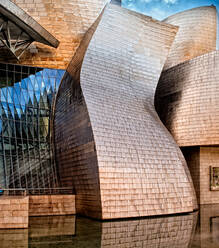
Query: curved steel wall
<point x="110" y="143"/>
<point x="74" y="142"/>
<point x="196" y="36"/>
<point x="187" y="101"/>
<point x="68" y="21"/>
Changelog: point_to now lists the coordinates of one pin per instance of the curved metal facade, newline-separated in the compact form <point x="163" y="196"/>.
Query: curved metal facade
<point x="110" y="143"/>
<point x="187" y="97"/>
<point x="187" y="101"/>
<point x="196" y="36"/>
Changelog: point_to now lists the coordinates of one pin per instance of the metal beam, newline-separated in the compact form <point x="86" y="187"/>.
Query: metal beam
<point x="16" y="47"/>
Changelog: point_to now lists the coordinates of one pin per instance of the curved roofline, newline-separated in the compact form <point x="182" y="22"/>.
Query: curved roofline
<point x="190" y="61"/>
<point x="18" y="16"/>
<point x="206" y="6"/>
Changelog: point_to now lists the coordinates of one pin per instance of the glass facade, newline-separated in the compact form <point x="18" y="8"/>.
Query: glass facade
<point x="26" y="99"/>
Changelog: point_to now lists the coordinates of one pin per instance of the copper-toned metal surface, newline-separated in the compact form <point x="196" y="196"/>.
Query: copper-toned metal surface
<point x="16" y="15"/>
<point x="68" y="21"/>
<point x="18" y="30"/>
<point x="73" y="136"/>
<point x="196" y="36"/>
<point x="110" y="143"/>
<point x="187" y="95"/>
<point x="187" y="101"/>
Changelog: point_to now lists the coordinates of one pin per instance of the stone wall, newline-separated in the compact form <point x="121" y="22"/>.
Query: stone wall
<point x="196" y="36"/>
<point x="209" y="156"/>
<point x="137" y="168"/>
<point x="42" y="232"/>
<point x="14" y="211"/>
<point x="51" y="205"/>
<point x="68" y="21"/>
<point x="199" y="160"/>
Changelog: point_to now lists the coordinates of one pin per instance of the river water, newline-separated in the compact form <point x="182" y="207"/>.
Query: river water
<point x="194" y="230"/>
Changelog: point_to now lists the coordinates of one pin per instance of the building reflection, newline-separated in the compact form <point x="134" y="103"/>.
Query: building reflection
<point x="174" y="231"/>
<point x="207" y="230"/>
<point x="69" y="231"/>
<point x="47" y="231"/>
<point x="14" y="238"/>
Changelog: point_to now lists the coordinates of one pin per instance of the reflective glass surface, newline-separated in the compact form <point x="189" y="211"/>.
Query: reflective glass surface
<point x="26" y="99"/>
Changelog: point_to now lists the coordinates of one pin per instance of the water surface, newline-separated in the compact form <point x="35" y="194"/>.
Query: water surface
<point x="194" y="230"/>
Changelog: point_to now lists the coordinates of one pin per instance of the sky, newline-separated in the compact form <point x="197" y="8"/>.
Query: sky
<point x="160" y="9"/>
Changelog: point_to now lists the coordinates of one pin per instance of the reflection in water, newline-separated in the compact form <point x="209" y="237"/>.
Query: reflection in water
<point x="77" y="232"/>
<point x="69" y="231"/>
<point x="174" y="231"/>
<point x="14" y="238"/>
<point x="207" y="230"/>
<point x="51" y="231"/>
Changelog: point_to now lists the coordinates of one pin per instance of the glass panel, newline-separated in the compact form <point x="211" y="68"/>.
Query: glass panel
<point x="26" y="96"/>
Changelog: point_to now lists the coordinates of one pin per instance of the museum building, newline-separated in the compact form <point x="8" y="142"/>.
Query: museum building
<point x="106" y="112"/>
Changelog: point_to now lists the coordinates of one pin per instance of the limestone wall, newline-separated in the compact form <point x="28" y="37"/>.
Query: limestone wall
<point x="209" y="156"/>
<point x="14" y="211"/>
<point x="196" y="36"/>
<point x="199" y="160"/>
<point x="51" y="205"/>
